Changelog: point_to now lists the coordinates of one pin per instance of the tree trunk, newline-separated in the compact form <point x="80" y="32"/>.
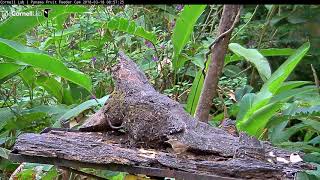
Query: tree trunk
<point x="218" y="52"/>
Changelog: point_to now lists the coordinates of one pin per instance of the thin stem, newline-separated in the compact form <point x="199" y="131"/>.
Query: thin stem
<point x="254" y="12"/>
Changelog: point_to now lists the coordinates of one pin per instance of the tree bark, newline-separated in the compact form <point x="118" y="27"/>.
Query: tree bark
<point x="100" y="150"/>
<point x="218" y="52"/>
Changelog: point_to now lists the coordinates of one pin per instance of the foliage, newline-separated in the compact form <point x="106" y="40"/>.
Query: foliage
<point x="255" y="108"/>
<point x="56" y="70"/>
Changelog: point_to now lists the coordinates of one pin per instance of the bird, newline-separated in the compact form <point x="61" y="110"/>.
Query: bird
<point x="177" y="146"/>
<point x="229" y="126"/>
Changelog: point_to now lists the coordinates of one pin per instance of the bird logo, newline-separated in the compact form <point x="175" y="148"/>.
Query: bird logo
<point x="46" y="12"/>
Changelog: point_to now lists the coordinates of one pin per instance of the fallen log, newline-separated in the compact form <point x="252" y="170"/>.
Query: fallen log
<point x="93" y="149"/>
<point x="137" y="118"/>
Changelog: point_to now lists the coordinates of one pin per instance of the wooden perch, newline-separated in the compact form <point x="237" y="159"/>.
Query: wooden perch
<point x="147" y="119"/>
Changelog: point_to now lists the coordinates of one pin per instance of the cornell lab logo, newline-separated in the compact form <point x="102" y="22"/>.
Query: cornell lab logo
<point x="4" y="14"/>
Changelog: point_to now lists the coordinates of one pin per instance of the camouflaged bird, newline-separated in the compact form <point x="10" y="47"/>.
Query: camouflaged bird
<point x="229" y="125"/>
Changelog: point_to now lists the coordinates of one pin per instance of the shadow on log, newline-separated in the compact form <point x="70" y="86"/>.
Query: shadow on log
<point x="137" y="118"/>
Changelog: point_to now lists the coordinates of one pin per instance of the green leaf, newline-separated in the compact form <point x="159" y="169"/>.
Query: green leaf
<point x="265" y="52"/>
<point x="28" y="76"/>
<point x="298" y="146"/>
<point x="253" y="56"/>
<point x="245" y="105"/>
<point x="4" y="153"/>
<point x="82" y="107"/>
<point x="291" y="84"/>
<point x="277" y="52"/>
<point x="313" y="124"/>
<point x="240" y="92"/>
<point x="124" y="25"/>
<point x="312" y="157"/>
<point x="5" y="116"/>
<point x="281" y="74"/>
<point x="231" y="70"/>
<point x="198" y="60"/>
<point x="259" y="119"/>
<point x="285" y="95"/>
<point x="195" y="92"/>
<point x="51" y="174"/>
<point x="33" y="57"/>
<point x="52" y="86"/>
<point x="270" y="87"/>
<point x="57" y="36"/>
<point x="183" y="29"/>
<point x="7" y="69"/>
<point x="17" y="25"/>
<point x="67" y="96"/>
<point x="279" y="133"/>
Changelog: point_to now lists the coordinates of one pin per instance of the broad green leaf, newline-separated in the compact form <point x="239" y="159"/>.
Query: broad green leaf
<point x="260" y="118"/>
<point x="17" y="25"/>
<point x="11" y="49"/>
<point x="51" y="110"/>
<point x="265" y="52"/>
<point x="28" y="76"/>
<point x="183" y="29"/>
<point x="67" y="96"/>
<point x="291" y="84"/>
<point x="124" y="25"/>
<point x="281" y="74"/>
<point x="7" y="69"/>
<point x="277" y="52"/>
<point x="313" y="124"/>
<point x="52" y="86"/>
<point x="198" y="60"/>
<point x="298" y="146"/>
<point x="308" y="111"/>
<point x="285" y="95"/>
<point x="245" y="104"/>
<point x="279" y="133"/>
<point x="240" y="92"/>
<point x="253" y="56"/>
<point x="195" y="92"/>
<point x="268" y="90"/>
<point x="82" y="107"/>
<point x="312" y="157"/>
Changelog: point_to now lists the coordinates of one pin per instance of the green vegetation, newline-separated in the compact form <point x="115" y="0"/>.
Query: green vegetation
<point x="57" y="69"/>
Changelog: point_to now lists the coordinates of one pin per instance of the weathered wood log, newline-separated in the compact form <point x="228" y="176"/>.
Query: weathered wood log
<point x="102" y="149"/>
<point x="147" y="119"/>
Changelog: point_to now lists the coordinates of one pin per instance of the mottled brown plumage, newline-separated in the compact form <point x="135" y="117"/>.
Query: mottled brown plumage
<point x="229" y="125"/>
<point x="178" y="147"/>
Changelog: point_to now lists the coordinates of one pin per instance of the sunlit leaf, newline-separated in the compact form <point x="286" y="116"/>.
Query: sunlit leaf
<point x="82" y="107"/>
<point x="268" y="90"/>
<point x="36" y="58"/>
<point x="253" y="56"/>
<point x="52" y="86"/>
<point x="195" y="92"/>
<point x="183" y="29"/>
